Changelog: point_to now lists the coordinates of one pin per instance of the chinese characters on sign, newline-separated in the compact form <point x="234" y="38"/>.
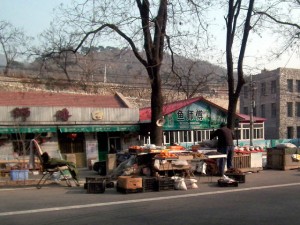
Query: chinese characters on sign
<point x="199" y="115"/>
<point x="190" y="115"/>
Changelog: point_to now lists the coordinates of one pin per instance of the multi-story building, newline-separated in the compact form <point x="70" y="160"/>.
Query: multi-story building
<point x="274" y="95"/>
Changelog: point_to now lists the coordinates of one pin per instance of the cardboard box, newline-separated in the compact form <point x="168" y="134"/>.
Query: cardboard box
<point x="128" y="182"/>
<point x="111" y="163"/>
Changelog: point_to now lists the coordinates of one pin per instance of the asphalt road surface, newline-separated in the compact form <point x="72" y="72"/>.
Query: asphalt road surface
<point x="269" y="197"/>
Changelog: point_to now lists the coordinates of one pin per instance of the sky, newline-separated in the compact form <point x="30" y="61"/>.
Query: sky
<point x="35" y="15"/>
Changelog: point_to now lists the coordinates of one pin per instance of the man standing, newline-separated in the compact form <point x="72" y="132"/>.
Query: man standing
<point x="225" y="146"/>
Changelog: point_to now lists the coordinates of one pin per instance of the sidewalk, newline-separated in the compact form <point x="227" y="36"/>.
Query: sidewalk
<point x="33" y="179"/>
<point x="261" y="178"/>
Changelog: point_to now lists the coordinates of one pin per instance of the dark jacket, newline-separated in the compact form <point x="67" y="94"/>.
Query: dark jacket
<point x="225" y="136"/>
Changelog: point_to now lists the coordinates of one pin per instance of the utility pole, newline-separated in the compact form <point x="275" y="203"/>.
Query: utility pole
<point x="252" y="105"/>
<point x="104" y="79"/>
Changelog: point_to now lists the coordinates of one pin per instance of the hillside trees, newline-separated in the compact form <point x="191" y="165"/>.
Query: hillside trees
<point x="13" y="42"/>
<point x="153" y="26"/>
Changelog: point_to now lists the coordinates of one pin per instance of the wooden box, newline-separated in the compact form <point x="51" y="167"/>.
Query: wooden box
<point x="241" y="161"/>
<point x="129" y="182"/>
<point x="282" y="158"/>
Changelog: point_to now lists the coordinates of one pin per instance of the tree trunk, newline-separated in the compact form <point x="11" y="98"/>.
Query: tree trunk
<point x="156" y="134"/>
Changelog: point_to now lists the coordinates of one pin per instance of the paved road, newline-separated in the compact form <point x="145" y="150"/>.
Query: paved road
<point x="269" y="197"/>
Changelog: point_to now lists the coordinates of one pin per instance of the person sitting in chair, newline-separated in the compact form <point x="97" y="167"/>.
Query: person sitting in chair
<point x="51" y="163"/>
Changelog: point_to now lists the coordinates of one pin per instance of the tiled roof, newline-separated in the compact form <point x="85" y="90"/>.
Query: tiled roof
<point x="145" y="113"/>
<point x="246" y="118"/>
<point x="44" y="99"/>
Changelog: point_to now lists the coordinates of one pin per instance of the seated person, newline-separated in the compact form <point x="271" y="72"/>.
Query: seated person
<point x="52" y="163"/>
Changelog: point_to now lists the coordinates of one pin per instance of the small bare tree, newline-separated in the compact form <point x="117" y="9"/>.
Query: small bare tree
<point x="14" y="43"/>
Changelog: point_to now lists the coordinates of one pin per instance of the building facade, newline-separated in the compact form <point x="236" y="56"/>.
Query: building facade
<point x="191" y="121"/>
<point x="85" y="127"/>
<point x="274" y="95"/>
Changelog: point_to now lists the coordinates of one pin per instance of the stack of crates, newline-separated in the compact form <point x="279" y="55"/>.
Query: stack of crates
<point x="95" y="184"/>
<point x="96" y="187"/>
<point x="164" y="183"/>
<point x="149" y="184"/>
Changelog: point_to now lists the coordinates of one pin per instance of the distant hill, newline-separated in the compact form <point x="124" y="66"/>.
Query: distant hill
<point x="119" y="66"/>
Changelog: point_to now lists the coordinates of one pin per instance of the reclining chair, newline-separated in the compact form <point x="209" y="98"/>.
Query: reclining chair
<point x="67" y="171"/>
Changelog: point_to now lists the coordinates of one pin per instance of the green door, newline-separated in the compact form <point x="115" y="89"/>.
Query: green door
<point x="102" y="145"/>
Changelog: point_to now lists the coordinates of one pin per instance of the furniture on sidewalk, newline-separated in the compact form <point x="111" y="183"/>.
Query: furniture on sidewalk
<point x="51" y="167"/>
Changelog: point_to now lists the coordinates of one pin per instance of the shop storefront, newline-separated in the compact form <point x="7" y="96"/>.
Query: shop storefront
<point x="191" y="121"/>
<point x="80" y="128"/>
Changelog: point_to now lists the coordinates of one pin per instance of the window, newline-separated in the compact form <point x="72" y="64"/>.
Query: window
<point x="246" y="110"/>
<point x="273" y="86"/>
<point x="263" y="88"/>
<point x="246" y="91"/>
<point x="298" y="86"/>
<point x="290" y="132"/>
<point x="273" y="110"/>
<point x="246" y="134"/>
<point x="262" y="111"/>
<point x="290" y="85"/>
<point x="290" y="109"/>
<point x="298" y="109"/>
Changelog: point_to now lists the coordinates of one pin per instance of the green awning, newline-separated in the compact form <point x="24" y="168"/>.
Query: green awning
<point x="103" y="128"/>
<point x="11" y="130"/>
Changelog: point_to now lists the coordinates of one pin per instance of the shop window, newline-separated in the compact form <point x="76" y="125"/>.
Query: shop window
<point x="114" y="144"/>
<point x="246" y="134"/>
<point x="70" y="143"/>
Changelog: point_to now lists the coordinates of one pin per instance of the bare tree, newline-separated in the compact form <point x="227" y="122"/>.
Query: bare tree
<point x="232" y="21"/>
<point x="51" y="52"/>
<point x="139" y="23"/>
<point x="282" y="18"/>
<point x="13" y="42"/>
<point x="190" y="77"/>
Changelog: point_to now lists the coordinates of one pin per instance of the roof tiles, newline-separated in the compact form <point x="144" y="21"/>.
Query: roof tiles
<point x="44" y="99"/>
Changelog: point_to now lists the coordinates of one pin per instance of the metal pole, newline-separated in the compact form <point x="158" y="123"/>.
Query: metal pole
<point x="251" y="110"/>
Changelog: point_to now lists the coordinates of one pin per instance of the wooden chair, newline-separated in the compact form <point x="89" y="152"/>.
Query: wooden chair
<point x="49" y="169"/>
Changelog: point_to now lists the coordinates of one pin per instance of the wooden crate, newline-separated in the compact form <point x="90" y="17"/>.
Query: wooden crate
<point x="281" y="159"/>
<point x="241" y="161"/>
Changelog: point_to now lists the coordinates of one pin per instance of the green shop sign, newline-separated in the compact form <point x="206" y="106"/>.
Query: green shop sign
<point x="199" y="115"/>
<point x="11" y="130"/>
<point x="86" y="129"/>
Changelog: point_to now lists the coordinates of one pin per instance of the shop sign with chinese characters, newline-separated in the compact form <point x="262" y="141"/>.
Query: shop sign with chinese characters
<point x="198" y="115"/>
